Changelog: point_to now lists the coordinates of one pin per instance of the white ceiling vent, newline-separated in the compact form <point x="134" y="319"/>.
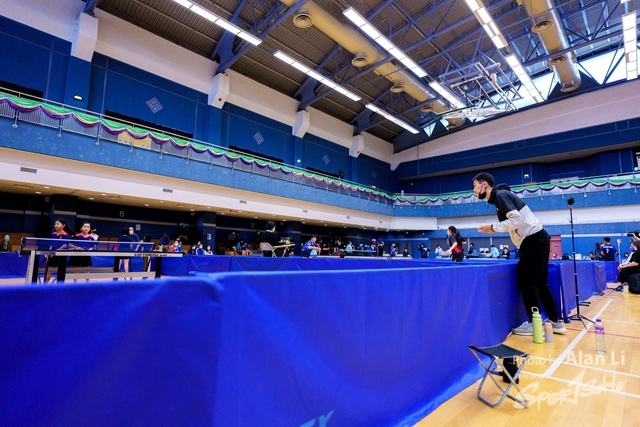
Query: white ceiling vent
<point x="302" y="19"/>
<point x="397" y="87"/>
<point x="360" y="60"/>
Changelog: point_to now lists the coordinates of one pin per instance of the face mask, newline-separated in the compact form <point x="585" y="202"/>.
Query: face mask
<point x="6" y="239"/>
<point x="482" y="196"/>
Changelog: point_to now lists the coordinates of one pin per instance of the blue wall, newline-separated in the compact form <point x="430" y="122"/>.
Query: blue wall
<point x="615" y="161"/>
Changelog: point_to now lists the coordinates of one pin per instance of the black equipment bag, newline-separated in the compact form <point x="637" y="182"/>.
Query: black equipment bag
<point x="634" y="283"/>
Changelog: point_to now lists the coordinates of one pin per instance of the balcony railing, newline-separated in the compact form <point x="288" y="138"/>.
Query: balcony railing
<point x="104" y="129"/>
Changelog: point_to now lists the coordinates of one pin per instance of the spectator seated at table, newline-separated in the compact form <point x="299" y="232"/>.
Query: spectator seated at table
<point x="5" y="246"/>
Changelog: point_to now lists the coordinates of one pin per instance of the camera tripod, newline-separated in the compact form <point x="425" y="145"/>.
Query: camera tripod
<point x="576" y="316"/>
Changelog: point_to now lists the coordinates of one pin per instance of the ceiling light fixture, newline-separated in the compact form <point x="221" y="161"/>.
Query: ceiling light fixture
<point x="383" y="42"/>
<point x="630" y="38"/>
<point x="485" y="19"/>
<point x="447" y="94"/>
<point x="223" y="23"/>
<point x="389" y="117"/>
<point x="523" y="77"/>
<point x="315" y="75"/>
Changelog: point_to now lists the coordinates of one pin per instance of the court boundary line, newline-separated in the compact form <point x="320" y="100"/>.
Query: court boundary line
<point x="573" y="343"/>
<point x="582" y="385"/>
<point x="588" y="367"/>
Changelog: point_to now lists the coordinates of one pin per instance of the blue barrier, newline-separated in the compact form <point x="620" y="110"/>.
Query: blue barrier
<point x="12" y="265"/>
<point x="380" y="346"/>
<point x="134" y="354"/>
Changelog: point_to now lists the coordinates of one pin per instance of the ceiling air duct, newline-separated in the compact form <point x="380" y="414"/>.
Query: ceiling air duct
<point x="546" y="23"/>
<point x="364" y="50"/>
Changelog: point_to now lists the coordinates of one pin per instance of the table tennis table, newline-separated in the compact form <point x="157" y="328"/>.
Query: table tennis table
<point x="35" y="248"/>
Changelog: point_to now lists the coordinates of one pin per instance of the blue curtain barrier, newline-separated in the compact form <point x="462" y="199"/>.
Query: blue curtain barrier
<point x="380" y="346"/>
<point x="136" y="354"/>
<point x="12" y="265"/>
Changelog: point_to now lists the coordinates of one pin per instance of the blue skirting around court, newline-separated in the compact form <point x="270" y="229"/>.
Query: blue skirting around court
<point x="351" y="343"/>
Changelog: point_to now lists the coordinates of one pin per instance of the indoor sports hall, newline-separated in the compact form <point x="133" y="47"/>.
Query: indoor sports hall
<point x="319" y="213"/>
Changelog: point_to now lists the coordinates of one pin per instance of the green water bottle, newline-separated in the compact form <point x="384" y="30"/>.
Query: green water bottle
<point x="536" y="322"/>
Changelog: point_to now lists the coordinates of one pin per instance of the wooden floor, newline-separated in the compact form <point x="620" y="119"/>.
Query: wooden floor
<point x="564" y="380"/>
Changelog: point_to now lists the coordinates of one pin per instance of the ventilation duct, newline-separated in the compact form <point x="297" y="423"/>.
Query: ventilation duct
<point x="363" y="49"/>
<point x="546" y="23"/>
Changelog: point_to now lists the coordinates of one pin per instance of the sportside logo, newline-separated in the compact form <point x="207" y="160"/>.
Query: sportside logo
<point x="322" y="421"/>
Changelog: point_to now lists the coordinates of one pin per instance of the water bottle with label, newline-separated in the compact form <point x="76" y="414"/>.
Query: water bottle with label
<point x="599" y="331"/>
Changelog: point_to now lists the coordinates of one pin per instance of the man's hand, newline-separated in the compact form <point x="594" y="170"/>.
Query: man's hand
<point x="486" y="229"/>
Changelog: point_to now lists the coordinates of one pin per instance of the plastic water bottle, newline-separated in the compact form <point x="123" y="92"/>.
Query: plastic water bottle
<point x="536" y="322"/>
<point x="599" y="330"/>
<point x="548" y="332"/>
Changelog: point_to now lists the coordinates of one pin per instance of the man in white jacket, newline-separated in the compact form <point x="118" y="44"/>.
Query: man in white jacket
<point x="526" y="233"/>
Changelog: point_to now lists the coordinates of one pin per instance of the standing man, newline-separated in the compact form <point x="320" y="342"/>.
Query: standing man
<point x="269" y="236"/>
<point x="607" y="250"/>
<point x="526" y="232"/>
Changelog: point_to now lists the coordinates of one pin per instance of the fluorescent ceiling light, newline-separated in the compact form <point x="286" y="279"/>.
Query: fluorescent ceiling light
<point x="301" y="67"/>
<point x="523" y="76"/>
<point x="204" y="13"/>
<point x="185" y="3"/>
<point x="386" y="44"/>
<point x="382" y="41"/>
<point x="484" y="16"/>
<point x="447" y="94"/>
<point x="485" y="19"/>
<point x="630" y="39"/>
<point x="629" y="20"/>
<point x="281" y="56"/>
<point x="234" y="29"/>
<point x="315" y="75"/>
<point x="228" y="26"/>
<point x="393" y="119"/>
<point x="473" y="5"/>
<point x="250" y="38"/>
<point x="354" y="17"/>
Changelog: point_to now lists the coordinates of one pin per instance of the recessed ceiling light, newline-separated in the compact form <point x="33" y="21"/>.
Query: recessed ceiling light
<point x="272" y="215"/>
<point x="90" y="198"/>
<point x="325" y="225"/>
<point x="146" y="204"/>
<point x="221" y="213"/>
<point x="284" y="220"/>
<point x="161" y="201"/>
<point x="45" y="186"/>
<point x="255" y="217"/>
<point x="103" y="194"/>
<point x="239" y="211"/>
<point x="191" y="210"/>
<point x="77" y="97"/>
<point x="303" y="222"/>
<point x="38" y="192"/>
<point x="208" y="207"/>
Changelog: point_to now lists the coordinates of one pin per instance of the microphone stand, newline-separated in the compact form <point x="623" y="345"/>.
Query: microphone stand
<point x="576" y="316"/>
